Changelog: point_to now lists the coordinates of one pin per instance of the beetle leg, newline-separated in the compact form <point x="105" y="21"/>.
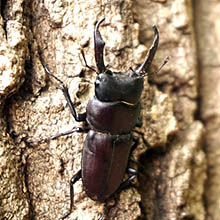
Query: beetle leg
<point x="144" y="140"/>
<point x="128" y="181"/>
<point x="79" y="130"/>
<point x="99" y="47"/>
<point x="77" y="117"/>
<point x="73" y="180"/>
<point x="134" y="146"/>
<point x="139" y="122"/>
<point x="144" y="68"/>
<point x="132" y="171"/>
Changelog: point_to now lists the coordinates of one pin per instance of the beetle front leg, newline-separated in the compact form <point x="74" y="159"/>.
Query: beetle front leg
<point x="73" y="180"/>
<point x="77" y="117"/>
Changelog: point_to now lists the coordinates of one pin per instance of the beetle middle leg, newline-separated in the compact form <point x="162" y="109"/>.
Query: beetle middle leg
<point x="73" y="180"/>
<point x="79" y="130"/>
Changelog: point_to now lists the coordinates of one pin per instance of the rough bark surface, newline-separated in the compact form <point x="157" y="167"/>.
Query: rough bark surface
<point x="172" y="185"/>
<point x="208" y="43"/>
<point x="170" y="158"/>
<point x="13" y="54"/>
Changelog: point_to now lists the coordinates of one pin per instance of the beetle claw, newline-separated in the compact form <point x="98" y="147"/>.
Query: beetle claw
<point x="144" y="68"/>
<point x="99" y="47"/>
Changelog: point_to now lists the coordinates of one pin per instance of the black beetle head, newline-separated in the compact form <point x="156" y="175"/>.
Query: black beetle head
<point x="125" y="87"/>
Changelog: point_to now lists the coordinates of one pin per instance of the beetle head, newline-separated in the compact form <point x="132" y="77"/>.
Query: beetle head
<point x="117" y="86"/>
<point x="125" y="87"/>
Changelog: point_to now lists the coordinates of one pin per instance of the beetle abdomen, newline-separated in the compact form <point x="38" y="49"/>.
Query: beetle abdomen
<point x="105" y="159"/>
<point x="112" y="117"/>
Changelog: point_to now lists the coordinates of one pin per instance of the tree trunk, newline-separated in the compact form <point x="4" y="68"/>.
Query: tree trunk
<point x="177" y="105"/>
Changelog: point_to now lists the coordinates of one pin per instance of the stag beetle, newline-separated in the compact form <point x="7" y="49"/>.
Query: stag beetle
<point x="109" y="118"/>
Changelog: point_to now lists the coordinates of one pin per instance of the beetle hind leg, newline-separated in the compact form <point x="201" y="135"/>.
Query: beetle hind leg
<point x="128" y="181"/>
<point x="73" y="180"/>
<point x="133" y="173"/>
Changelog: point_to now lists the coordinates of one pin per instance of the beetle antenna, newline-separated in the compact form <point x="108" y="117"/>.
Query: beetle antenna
<point x="160" y="67"/>
<point x="84" y="58"/>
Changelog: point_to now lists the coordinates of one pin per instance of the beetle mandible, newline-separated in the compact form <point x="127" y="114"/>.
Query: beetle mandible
<point x="111" y="114"/>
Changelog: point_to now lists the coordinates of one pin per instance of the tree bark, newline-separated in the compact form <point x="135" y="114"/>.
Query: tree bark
<point x="208" y="44"/>
<point x="170" y="158"/>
